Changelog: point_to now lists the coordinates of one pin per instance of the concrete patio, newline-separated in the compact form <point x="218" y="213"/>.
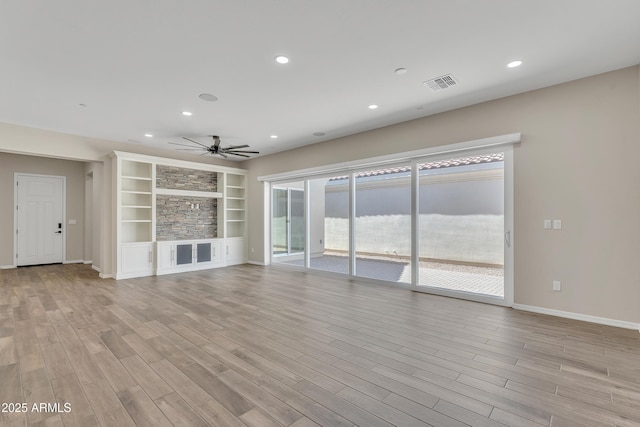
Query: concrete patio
<point x="458" y="277"/>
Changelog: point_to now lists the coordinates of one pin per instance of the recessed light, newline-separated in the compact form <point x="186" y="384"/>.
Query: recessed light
<point x="208" y="97"/>
<point x="187" y="113"/>
<point x="373" y="107"/>
<point x="400" y="71"/>
<point x="281" y="59"/>
<point x="274" y="136"/>
<point x="319" y="134"/>
<point x="148" y="135"/>
<point x="514" y="64"/>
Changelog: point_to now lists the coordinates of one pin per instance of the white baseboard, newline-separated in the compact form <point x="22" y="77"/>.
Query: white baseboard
<point x="6" y="267"/>
<point x="105" y="276"/>
<point x="87" y="261"/>
<point x="578" y="316"/>
<point x="256" y="263"/>
<point x="96" y="268"/>
<point x="73" y="261"/>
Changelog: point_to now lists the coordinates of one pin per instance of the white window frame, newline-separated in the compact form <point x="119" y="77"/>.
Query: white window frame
<point x="503" y="143"/>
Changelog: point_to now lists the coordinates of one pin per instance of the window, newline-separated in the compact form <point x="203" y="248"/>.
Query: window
<point x="439" y="223"/>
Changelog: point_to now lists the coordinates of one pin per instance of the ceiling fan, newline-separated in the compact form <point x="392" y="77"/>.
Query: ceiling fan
<point x="215" y="149"/>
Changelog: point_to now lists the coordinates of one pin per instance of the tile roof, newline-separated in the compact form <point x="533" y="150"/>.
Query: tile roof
<point x="439" y="164"/>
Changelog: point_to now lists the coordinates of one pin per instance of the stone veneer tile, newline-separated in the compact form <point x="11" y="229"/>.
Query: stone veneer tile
<point x="176" y="178"/>
<point x="175" y="220"/>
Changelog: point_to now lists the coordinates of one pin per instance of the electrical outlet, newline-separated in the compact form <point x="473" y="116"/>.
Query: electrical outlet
<point x="557" y="286"/>
<point x="547" y="224"/>
<point x="557" y="224"/>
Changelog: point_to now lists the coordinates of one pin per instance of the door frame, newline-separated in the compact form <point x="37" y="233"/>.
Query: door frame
<point x="288" y="252"/>
<point x="508" y="234"/>
<point x="15" y="213"/>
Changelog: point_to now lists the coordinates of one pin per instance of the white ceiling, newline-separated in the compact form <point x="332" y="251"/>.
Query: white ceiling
<point x="137" y="64"/>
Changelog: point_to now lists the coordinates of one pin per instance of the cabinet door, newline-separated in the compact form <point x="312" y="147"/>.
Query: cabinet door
<point x="184" y="254"/>
<point x="137" y="258"/>
<point x="166" y="255"/>
<point x="204" y="253"/>
<point x="217" y="252"/>
<point x="235" y="252"/>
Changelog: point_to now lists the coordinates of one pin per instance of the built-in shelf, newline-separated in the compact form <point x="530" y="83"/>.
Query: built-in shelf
<point x="138" y="182"/>
<point x="188" y="193"/>
<point x="235" y="205"/>
<point x="140" y="178"/>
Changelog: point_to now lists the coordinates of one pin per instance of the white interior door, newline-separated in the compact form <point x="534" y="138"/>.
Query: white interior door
<point x="40" y="219"/>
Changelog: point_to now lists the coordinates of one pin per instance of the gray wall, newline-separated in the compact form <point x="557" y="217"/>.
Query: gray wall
<point x="577" y="162"/>
<point x="75" y="180"/>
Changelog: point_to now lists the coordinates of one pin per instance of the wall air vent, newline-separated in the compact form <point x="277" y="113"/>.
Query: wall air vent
<point x="442" y="82"/>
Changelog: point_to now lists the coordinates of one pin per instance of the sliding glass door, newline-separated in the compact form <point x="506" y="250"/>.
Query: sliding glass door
<point x="329" y="227"/>
<point x="383" y="224"/>
<point x="288" y="222"/>
<point x="437" y="224"/>
<point x="461" y="224"/>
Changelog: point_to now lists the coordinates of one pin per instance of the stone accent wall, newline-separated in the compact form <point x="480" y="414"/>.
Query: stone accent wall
<point x="175" y="220"/>
<point x="176" y="178"/>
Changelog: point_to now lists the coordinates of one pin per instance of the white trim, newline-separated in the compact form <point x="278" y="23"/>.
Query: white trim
<point x="509" y="226"/>
<point x="15" y="209"/>
<point x="262" y="264"/>
<point x="90" y="261"/>
<point x="173" y="162"/>
<point x="73" y="261"/>
<point x="96" y="268"/>
<point x="7" y="267"/>
<point x="494" y="141"/>
<point x="105" y="276"/>
<point x="468" y="296"/>
<point x="578" y="316"/>
<point x="188" y="193"/>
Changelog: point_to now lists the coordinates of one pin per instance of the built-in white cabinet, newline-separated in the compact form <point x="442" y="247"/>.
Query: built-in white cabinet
<point x="134" y="216"/>
<point x="235" y="251"/>
<point x="234" y="198"/>
<point x="184" y="255"/>
<point x="136" y="259"/>
<point x="142" y="191"/>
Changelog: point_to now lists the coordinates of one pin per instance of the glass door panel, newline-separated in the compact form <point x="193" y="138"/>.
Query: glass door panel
<point x="329" y="224"/>
<point x="288" y="223"/>
<point x="279" y="220"/>
<point x="296" y="221"/>
<point x="383" y="224"/>
<point x="461" y="224"/>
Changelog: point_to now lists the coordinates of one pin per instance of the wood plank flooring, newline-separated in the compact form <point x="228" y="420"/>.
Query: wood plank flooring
<point x="256" y="346"/>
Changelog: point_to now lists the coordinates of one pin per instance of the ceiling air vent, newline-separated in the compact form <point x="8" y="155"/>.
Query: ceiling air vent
<point x="441" y="82"/>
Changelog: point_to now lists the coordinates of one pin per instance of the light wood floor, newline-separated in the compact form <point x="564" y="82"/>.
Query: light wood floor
<point x="259" y="346"/>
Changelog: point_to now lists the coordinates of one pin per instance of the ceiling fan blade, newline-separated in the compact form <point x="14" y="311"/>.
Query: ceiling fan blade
<point x="195" y="142"/>
<point x="222" y="154"/>
<point x="233" y="147"/>
<point x="241" y="151"/>
<point x="236" y="154"/>
<point x="191" y="149"/>
<point x="184" y="145"/>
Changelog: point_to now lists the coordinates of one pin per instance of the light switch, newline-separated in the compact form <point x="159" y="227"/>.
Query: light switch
<point x="72" y="222"/>
<point x="557" y="224"/>
<point x="557" y="286"/>
<point x="547" y="224"/>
